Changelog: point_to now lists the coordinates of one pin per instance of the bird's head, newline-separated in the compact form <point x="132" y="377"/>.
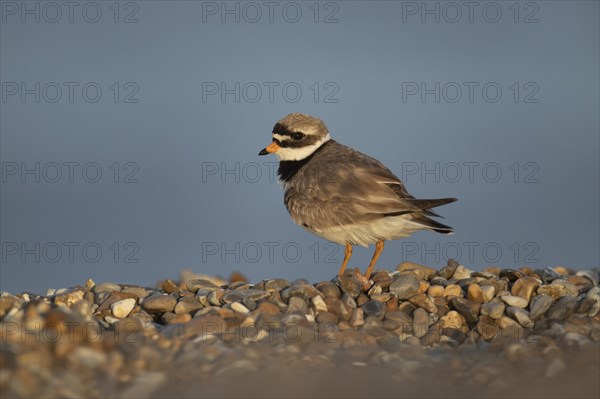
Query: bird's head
<point x="297" y="136"/>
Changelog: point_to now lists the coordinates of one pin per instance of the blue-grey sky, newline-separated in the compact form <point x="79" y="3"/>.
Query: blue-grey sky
<point x="170" y="101"/>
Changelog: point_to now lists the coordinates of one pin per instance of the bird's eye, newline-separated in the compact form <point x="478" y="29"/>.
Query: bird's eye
<point x="297" y="136"/>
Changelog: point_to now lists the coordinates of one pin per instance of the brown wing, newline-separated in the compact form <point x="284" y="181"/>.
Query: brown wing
<point x="342" y="186"/>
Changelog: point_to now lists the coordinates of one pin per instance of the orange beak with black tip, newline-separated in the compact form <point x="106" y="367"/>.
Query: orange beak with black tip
<point x="273" y="147"/>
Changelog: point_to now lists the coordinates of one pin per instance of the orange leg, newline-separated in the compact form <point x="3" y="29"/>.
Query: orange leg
<point x="378" y="249"/>
<point x="347" y="255"/>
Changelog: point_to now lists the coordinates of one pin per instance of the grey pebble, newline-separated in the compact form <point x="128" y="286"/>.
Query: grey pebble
<point x="405" y="286"/>
<point x="539" y="305"/>
<point x="374" y="308"/>
<point x="562" y="308"/>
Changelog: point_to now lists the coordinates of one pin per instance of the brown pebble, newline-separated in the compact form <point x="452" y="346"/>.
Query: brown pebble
<point x="327" y="317"/>
<point x="475" y="294"/>
<point x="169" y="286"/>
<point x="392" y="304"/>
<point x="452" y="290"/>
<point x="525" y="287"/>
<point x="364" y="282"/>
<point x="236" y="276"/>
<point x="181" y="318"/>
<point x="435" y="291"/>
<point x="422" y="301"/>
<point x="487" y="328"/>
<point x="423" y="272"/>
<point x="159" y="303"/>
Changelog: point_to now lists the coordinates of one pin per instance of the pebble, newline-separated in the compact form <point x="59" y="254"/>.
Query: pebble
<point x="423" y="272"/>
<point x="448" y="271"/>
<point x="327" y="317"/>
<point x="511" y="274"/>
<point x="592" y="302"/>
<point x="488" y="292"/>
<point x="405" y="286"/>
<point x="453" y="320"/>
<point x="365" y="283"/>
<point x="350" y="285"/>
<point x="195" y="285"/>
<point x="439" y="281"/>
<point x="169" y="286"/>
<point x="374" y="308"/>
<point x="420" y="323"/>
<point x="238" y="295"/>
<point x="383" y="297"/>
<point x="268" y="308"/>
<point x="487" y="328"/>
<point x="569" y="287"/>
<point x="515" y="301"/>
<point x="137" y="292"/>
<point x="375" y="290"/>
<point x="467" y="309"/>
<point x="159" y="303"/>
<point x="238" y="307"/>
<point x="435" y="291"/>
<point x="413" y="323"/>
<point x="297" y="305"/>
<point x="348" y="301"/>
<point x="539" y="305"/>
<point x="580" y="281"/>
<point x="495" y="310"/>
<point x="562" y="308"/>
<point x="276" y="285"/>
<point x="250" y="304"/>
<point x="106" y="287"/>
<point x="187" y="305"/>
<point x="214" y="297"/>
<point x="422" y="301"/>
<point x="506" y="322"/>
<point x="475" y="293"/>
<point x="520" y="315"/>
<point x="561" y="270"/>
<point x="461" y="272"/>
<point x="338" y="307"/>
<point x="452" y="290"/>
<point x="123" y="307"/>
<point x="525" y="287"/>
<point x="68" y="297"/>
<point x="554" y="290"/>
<point x="592" y="275"/>
<point x="318" y="304"/>
<point x="399" y="316"/>
<point x="357" y="318"/>
<point x="484" y="275"/>
<point x="549" y="275"/>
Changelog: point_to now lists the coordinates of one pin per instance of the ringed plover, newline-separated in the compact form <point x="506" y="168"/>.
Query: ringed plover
<point x="343" y="195"/>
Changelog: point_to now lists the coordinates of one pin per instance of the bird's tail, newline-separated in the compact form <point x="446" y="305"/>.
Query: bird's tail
<point x="433" y="225"/>
<point x="425" y="206"/>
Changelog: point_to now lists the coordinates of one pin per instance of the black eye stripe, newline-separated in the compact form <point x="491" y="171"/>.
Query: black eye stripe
<point x="283" y="131"/>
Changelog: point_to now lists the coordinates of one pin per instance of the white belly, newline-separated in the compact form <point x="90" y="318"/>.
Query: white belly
<point x="389" y="228"/>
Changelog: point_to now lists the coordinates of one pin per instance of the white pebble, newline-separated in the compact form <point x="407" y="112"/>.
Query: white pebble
<point x="319" y="304"/>
<point x="238" y="307"/>
<point x="123" y="307"/>
<point x="515" y="301"/>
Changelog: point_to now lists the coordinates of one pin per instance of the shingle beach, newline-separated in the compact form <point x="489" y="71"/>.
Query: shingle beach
<point x="412" y="332"/>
